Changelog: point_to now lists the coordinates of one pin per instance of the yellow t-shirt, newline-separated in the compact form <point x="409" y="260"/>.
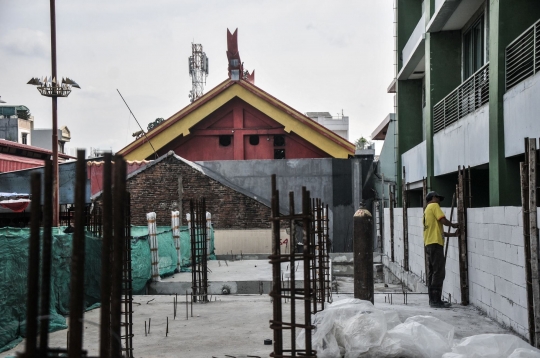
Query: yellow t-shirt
<point x="433" y="228"/>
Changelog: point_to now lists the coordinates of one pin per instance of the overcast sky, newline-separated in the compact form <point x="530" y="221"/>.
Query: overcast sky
<point x="315" y="55"/>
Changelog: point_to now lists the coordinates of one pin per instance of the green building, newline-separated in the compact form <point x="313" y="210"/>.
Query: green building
<point x="467" y="93"/>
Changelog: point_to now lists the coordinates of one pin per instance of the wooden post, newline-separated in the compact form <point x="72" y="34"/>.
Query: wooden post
<point x="533" y="234"/>
<point x="524" y="169"/>
<point x="405" y="225"/>
<point x="392" y="204"/>
<point x="363" y="255"/>
<point x="463" y="257"/>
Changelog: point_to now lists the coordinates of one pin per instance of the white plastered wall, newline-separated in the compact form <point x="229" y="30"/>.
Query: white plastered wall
<point x="255" y="241"/>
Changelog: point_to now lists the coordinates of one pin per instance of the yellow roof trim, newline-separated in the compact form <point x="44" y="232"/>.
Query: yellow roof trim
<point x="317" y="137"/>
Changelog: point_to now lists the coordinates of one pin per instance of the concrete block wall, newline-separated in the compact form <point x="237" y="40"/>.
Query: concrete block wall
<point x="495" y="257"/>
<point x="496" y="265"/>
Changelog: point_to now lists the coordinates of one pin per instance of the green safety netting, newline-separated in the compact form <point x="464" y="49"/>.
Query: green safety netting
<point x="14" y="268"/>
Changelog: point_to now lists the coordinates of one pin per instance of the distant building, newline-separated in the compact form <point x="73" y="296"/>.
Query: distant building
<point x="467" y="85"/>
<point x="17" y="125"/>
<point x="42" y="138"/>
<point x="237" y="120"/>
<point x="337" y="124"/>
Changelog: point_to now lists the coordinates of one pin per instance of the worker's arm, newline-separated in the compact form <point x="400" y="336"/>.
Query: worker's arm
<point x="453" y="234"/>
<point x="447" y="222"/>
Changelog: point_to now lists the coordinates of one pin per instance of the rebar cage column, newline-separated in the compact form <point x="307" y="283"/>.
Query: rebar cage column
<point x="303" y="294"/>
<point x="197" y="221"/>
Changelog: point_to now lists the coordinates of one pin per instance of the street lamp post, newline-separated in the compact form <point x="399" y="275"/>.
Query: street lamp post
<point x="52" y="88"/>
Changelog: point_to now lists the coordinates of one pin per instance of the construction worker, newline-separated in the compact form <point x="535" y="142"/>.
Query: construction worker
<point x="434" y="220"/>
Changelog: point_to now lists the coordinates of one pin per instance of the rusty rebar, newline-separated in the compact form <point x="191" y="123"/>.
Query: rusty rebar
<point x="127" y="284"/>
<point x="76" y="306"/>
<point x="404" y="201"/>
<point x="296" y="294"/>
<point x="199" y="250"/>
<point x="33" y="268"/>
<point x="275" y="324"/>
<point x="47" y="258"/>
<point x="391" y="211"/>
<point x="308" y="252"/>
<point x="105" y="333"/>
<point x="119" y="197"/>
<point x="292" y="274"/>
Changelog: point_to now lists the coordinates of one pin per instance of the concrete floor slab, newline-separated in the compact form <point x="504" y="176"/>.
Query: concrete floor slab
<point x="238" y="325"/>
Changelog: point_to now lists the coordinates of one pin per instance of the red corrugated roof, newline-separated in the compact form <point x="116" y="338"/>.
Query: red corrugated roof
<point x="14" y="145"/>
<point x="11" y="163"/>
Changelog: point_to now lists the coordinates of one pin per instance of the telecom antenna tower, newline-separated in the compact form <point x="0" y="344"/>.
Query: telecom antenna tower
<point x="198" y="70"/>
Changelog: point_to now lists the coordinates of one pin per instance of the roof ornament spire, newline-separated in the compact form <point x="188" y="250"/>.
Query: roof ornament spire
<point x="236" y="66"/>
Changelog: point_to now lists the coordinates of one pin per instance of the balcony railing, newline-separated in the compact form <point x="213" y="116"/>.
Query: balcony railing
<point x="523" y="56"/>
<point x="468" y="97"/>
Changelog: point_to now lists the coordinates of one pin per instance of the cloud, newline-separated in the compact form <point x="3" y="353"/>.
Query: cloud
<point x="26" y="42"/>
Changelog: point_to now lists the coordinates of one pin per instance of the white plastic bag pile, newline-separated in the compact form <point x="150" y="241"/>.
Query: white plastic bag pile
<point x="353" y="328"/>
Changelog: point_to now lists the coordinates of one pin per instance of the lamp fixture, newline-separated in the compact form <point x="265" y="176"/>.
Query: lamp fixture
<point x="49" y="87"/>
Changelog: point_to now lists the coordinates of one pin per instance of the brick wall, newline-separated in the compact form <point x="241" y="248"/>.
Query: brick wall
<point x="495" y="256"/>
<point x="156" y="189"/>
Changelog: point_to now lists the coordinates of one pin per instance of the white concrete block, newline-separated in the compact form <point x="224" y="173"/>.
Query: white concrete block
<point x="503" y="287"/>
<point x="496" y="302"/>
<point x="498" y="214"/>
<point x="511" y="215"/>
<point x="499" y="250"/>
<point x="520" y="256"/>
<point x="488" y="216"/>
<point x="474" y="260"/>
<point x="489" y="248"/>
<point x="518" y="275"/>
<point x="472" y="230"/>
<point x="488" y="280"/>
<point x="503" y="269"/>
<point x="505" y="233"/>
<point x="513" y="254"/>
<point x="517" y="235"/>
<point x="519" y="315"/>
<point x="474" y="275"/>
<point x="505" y="319"/>
<point x="493" y="230"/>
<point x="521" y="294"/>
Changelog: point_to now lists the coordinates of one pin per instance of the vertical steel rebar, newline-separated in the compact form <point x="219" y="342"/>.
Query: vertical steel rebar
<point x="308" y="252"/>
<point x="292" y="272"/>
<point x="276" y="293"/>
<point x="105" y="332"/>
<point x="391" y="211"/>
<point x="199" y="252"/>
<point x="127" y="284"/>
<point x="405" y="224"/>
<point x="54" y="99"/>
<point x="33" y="268"/>
<point x="46" y="265"/>
<point x="119" y="196"/>
<point x="76" y="306"/>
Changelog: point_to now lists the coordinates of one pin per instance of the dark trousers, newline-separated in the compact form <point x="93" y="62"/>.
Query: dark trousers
<point x="436" y="266"/>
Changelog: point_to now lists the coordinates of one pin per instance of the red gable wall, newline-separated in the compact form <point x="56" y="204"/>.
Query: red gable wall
<point x="239" y="120"/>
